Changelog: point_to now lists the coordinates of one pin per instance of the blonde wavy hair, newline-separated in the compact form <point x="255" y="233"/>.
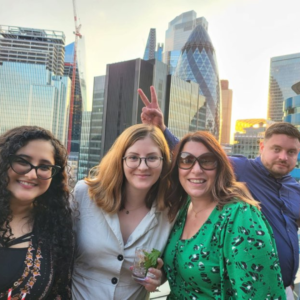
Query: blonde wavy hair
<point x="107" y="183"/>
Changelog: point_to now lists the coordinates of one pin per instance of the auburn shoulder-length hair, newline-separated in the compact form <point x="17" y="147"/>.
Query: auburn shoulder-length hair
<point x="225" y="189"/>
<point x="107" y="184"/>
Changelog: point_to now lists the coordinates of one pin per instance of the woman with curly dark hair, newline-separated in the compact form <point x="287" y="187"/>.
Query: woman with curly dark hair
<point x="36" y="237"/>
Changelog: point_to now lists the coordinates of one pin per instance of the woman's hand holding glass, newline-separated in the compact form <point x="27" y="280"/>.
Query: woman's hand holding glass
<point x="153" y="278"/>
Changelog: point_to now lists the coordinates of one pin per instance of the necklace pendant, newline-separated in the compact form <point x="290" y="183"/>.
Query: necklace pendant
<point x="127" y="212"/>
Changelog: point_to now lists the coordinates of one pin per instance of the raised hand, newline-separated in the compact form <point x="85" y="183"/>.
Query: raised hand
<point x="151" y="113"/>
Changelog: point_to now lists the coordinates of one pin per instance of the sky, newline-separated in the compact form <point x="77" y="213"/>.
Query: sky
<point x="245" y="35"/>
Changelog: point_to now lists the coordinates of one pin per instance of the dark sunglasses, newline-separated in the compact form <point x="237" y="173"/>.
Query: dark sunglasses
<point x="207" y="161"/>
<point x="21" y="166"/>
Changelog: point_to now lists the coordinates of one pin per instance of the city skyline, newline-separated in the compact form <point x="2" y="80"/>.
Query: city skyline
<point x="244" y="36"/>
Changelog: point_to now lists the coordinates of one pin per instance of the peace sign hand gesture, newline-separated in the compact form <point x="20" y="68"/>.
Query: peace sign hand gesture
<point x="151" y="113"/>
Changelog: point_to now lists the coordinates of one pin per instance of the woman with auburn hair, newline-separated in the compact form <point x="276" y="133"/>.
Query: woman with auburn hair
<point x="221" y="246"/>
<point x="36" y="236"/>
<point x="123" y="207"/>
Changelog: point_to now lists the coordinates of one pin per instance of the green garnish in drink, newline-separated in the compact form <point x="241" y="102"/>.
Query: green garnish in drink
<point x="151" y="259"/>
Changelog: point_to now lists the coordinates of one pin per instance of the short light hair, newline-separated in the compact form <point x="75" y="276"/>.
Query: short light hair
<point x="282" y="128"/>
<point x="107" y="186"/>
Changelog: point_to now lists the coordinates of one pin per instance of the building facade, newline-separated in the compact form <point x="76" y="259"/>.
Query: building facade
<point x="198" y="63"/>
<point x="80" y="97"/>
<point x="226" y="96"/>
<point x="83" y="162"/>
<point x="291" y="110"/>
<point x="150" y="52"/>
<point x="247" y="143"/>
<point x="33" y="90"/>
<point x="96" y="128"/>
<point x="151" y="44"/>
<point x="159" y="52"/>
<point x="284" y="72"/>
<point x="248" y="135"/>
<point x="33" y="46"/>
<point x="91" y="131"/>
<point x="122" y="105"/>
<point x="178" y="32"/>
<point x="183" y="113"/>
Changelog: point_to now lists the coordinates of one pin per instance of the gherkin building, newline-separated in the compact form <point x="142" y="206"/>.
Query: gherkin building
<point x="198" y="63"/>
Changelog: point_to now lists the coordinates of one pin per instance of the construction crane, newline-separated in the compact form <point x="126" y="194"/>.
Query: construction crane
<point x="77" y="35"/>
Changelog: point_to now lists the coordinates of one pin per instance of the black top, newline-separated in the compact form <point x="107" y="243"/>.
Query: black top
<point x="27" y="270"/>
<point x="12" y="260"/>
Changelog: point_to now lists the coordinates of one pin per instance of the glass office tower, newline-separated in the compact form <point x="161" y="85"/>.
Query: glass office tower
<point x="291" y="107"/>
<point x="91" y="131"/>
<point x="177" y="34"/>
<point x="198" y="63"/>
<point x="159" y="52"/>
<point x="150" y="47"/>
<point x="80" y="96"/>
<point x="122" y="105"/>
<point x="83" y="168"/>
<point x="291" y="110"/>
<point x="96" y="121"/>
<point x="150" y="52"/>
<point x="284" y="72"/>
<point x="183" y="113"/>
<point x="33" y="90"/>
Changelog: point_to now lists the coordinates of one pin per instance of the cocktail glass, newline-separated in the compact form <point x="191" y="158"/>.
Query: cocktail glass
<point x="139" y="271"/>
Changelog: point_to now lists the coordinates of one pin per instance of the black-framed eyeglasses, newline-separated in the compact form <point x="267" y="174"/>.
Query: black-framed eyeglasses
<point x="21" y="166"/>
<point x="133" y="161"/>
<point x="207" y="161"/>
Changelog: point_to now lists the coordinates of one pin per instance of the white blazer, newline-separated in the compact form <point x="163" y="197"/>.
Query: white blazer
<point x="102" y="261"/>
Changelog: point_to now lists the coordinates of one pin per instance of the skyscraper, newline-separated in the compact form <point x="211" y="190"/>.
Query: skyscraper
<point x="284" y="72"/>
<point x="177" y="34"/>
<point x="83" y="166"/>
<point x="91" y="131"/>
<point x="97" y="121"/>
<point x="226" y="96"/>
<point x="150" y="52"/>
<point x="159" y="52"/>
<point x="292" y="115"/>
<point x="122" y="105"/>
<point x="291" y="107"/>
<point x="80" y="98"/>
<point x="33" y="90"/>
<point x="33" y="46"/>
<point x="198" y="63"/>
<point x="183" y="112"/>
<point x="150" y="47"/>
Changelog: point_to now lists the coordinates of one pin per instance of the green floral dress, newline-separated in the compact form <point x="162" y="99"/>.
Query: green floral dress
<point x="232" y="256"/>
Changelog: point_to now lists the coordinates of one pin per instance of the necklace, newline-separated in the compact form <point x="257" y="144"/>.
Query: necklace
<point x="197" y="212"/>
<point x="127" y="211"/>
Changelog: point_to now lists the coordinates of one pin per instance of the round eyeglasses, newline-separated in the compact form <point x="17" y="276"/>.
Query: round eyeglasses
<point x="207" y="161"/>
<point x="21" y="166"/>
<point x="133" y="161"/>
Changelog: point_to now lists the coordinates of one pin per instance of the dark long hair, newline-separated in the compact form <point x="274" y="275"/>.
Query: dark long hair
<point x="51" y="212"/>
<point x="225" y="190"/>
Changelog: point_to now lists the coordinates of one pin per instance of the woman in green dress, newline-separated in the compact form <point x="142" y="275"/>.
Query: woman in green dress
<point x="221" y="246"/>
